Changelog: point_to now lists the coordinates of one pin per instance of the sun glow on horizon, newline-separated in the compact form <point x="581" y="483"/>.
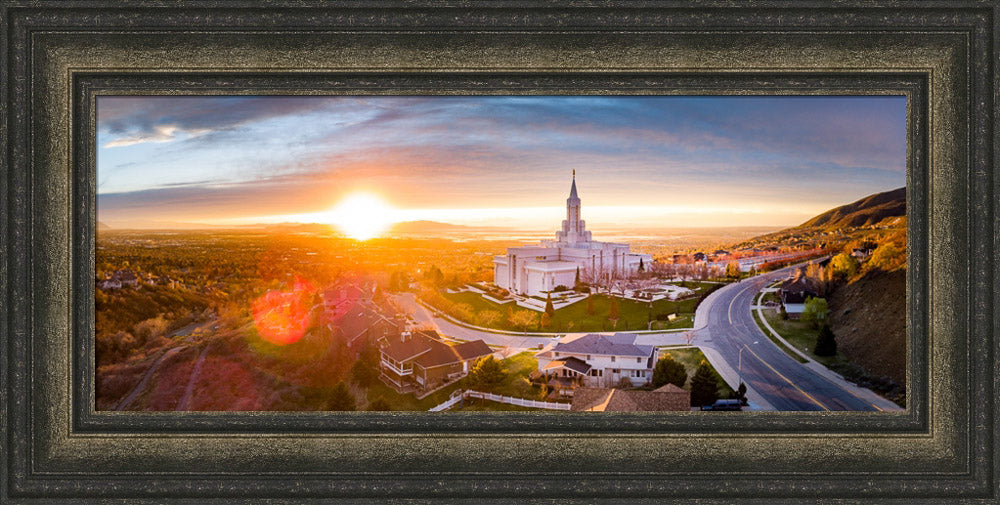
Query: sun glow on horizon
<point x="362" y="216"/>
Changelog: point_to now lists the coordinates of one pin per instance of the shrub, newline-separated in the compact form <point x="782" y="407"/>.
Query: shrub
<point x="826" y="342"/>
<point x="814" y="311"/>
<point x="669" y="371"/>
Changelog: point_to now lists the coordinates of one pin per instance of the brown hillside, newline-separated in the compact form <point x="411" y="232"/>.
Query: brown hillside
<point x="869" y="319"/>
<point x="864" y="212"/>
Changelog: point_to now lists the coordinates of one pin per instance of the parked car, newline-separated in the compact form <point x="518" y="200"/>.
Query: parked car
<point x="733" y="404"/>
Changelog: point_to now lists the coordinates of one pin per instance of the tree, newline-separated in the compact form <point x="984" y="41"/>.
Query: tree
<point x="523" y="319"/>
<point x="613" y="310"/>
<point x="844" y="265"/>
<point x="814" y="311"/>
<point x="887" y="257"/>
<point x="576" y="281"/>
<point x="488" y="317"/>
<point x="363" y="374"/>
<point x="550" y="310"/>
<point x="784" y="313"/>
<point x="379" y="404"/>
<point x="642" y="267"/>
<point x="341" y="398"/>
<point x="826" y="343"/>
<point x="487" y="374"/>
<point x="590" y="305"/>
<point x="704" y="386"/>
<point x="741" y="393"/>
<point x="733" y="270"/>
<point x="669" y="371"/>
<point x="546" y="320"/>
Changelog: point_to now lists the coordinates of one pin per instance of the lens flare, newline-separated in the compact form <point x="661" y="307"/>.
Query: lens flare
<point x="282" y="317"/>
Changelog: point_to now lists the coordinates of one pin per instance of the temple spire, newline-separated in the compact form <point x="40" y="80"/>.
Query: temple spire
<point x="572" y="190"/>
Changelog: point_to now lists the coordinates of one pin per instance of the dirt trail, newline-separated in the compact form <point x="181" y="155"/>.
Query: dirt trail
<point x="183" y="404"/>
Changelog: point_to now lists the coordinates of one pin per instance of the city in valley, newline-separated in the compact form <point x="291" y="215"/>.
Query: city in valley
<point x="302" y="317"/>
<point x="501" y="253"/>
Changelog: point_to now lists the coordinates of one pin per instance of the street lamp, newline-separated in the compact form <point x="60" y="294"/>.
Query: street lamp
<point x="740" y="364"/>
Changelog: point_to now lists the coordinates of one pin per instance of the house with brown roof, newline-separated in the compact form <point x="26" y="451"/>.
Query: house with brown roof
<point x="666" y="398"/>
<point x="794" y="293"/>
<point x="363" y="325"/>
<point x="421" y="361"/>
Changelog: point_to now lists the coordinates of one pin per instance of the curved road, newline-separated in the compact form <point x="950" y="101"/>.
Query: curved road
<point x="724" y="325"/>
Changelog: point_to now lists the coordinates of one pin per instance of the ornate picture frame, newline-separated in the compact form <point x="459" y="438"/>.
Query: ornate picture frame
<point x="57" y="58"/>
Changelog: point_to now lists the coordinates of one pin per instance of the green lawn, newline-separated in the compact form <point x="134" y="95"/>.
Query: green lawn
<point x="803" y="336"/>
<point x="632" y="315"/>
<point x="774" y="340"/>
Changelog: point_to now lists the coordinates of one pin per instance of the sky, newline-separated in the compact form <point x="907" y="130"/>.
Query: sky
<point x="640" y="161"/>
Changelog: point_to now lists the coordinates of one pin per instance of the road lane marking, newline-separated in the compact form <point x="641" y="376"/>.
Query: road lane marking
<point x="730" y="312"/>
<point x="814" y="400"/>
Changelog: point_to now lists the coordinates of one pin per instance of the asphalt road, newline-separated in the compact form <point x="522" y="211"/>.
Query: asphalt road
<point x="723" y="326"/>
<point x="725" y="323"/>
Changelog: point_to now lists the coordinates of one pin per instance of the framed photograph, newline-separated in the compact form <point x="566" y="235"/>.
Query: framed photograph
<point x="510" y="252"/>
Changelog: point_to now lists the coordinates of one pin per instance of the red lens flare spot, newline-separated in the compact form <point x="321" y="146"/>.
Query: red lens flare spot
<point x="282" y="317"/>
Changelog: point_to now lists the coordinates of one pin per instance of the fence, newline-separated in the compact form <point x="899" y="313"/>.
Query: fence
<point x="512" y="400"/>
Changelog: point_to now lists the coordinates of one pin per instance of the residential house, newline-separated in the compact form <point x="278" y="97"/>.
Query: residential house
<point x="794" y="293"/>
<point x="421" y="361"/>
<point x="127" y="278"/>
<point x="109" y="283"/>
<point x="339" y="300"/>
<point x="666" y="398"/>
<point x="364" y="324"/>
<point x="595" y="360"/>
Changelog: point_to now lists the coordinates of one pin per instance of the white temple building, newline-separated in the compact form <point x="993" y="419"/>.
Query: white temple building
<point x="533" y="270"/>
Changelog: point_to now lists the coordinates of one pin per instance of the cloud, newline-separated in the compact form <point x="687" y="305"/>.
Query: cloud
<point x="159" y="135"/>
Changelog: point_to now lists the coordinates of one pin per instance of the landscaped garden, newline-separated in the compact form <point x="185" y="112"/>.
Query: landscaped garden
<point x="596" y="313"/>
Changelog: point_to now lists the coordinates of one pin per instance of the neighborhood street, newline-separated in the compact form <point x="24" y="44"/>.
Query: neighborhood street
<point x="723" y="326"/>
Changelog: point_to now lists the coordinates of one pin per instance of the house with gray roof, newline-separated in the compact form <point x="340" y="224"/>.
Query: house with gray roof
<point x="595" y="360"/>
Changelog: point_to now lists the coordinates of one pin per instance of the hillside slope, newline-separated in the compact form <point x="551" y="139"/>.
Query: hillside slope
<point x="867" y="211"/>
<point x="868" y="318"/>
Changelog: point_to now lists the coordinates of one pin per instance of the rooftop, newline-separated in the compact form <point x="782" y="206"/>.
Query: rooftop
<point x="618" y="344"/>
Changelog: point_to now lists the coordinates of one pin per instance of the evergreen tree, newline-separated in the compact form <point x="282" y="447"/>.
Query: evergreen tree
<point x="341" y="398"/>
<point x="379" y="404"/>
<point x="613" y="311"/>
<point x="546" y="320"/>
<point x="826" y="343"/>
<point x="741" y="393"/>
<point x="487" y="374"/>
<point x="590" y="305"/>
<point x="576" y="281"/>
<point x="704" y="386"/>
<point x="669" y="371"/>
<point x="642" y="267"/>
<point x="550" y="310"/>
<point x="784" y="313"/>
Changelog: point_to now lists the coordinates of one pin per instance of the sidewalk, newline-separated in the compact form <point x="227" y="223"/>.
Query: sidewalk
<point x="863" y="393"/>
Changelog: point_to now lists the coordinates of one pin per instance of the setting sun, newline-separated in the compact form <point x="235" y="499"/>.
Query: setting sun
<point x="362" y="216"/>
